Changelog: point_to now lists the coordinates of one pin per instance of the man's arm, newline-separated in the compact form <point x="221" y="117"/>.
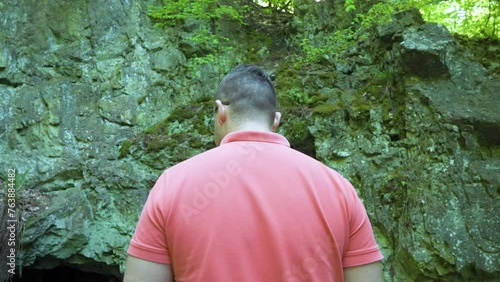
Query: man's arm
<point x="139" y="270"/>
<point x="371" y="272"/>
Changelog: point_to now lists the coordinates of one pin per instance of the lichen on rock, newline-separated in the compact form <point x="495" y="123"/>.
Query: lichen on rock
<point x="96" y="103"/>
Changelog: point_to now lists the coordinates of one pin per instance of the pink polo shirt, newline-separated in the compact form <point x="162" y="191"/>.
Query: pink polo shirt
<point x="253" y="209"/>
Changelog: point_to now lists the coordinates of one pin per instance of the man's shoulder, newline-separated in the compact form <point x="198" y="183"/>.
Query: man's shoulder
<point x="201" y="159"/>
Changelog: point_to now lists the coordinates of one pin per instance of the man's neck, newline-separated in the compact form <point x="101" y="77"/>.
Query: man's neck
<point x="253" y="126"/>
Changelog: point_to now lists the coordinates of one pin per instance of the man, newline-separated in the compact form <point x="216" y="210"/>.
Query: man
<point x="252" y="209"/>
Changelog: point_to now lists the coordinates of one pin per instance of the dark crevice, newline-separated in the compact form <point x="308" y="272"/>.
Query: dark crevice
<point x="63" y="274"/>
<point x="7" y="82"/>
<point x="394" y="137"/>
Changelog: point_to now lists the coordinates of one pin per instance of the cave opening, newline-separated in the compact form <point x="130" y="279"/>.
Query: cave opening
<point x="63" y="274"/>
<point x="55" y="270"/>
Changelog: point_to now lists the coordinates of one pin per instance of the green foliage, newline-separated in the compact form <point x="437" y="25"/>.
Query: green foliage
<point x="313" y="52"/>
<point x="322" y="47"/>
<point x="205" y="37"/>
<point x="277" y="5"/>
<point x="299" y="96"/>
<point x="381" y="13"/>
<point x="206" y="24"/>
<point x="474" y="18"/>
<point x="349" y="5"/>
<point x="173" y="12"/>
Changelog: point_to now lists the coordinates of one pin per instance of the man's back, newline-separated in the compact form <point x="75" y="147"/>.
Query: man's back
<point x="254" y="210"/>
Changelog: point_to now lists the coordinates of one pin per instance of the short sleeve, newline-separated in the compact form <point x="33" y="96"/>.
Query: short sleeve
<point x="149" y="240"/>
<point x="361" y="247"/>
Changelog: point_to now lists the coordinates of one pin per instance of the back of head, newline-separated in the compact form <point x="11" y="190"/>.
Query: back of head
<point x="250" y="93"/>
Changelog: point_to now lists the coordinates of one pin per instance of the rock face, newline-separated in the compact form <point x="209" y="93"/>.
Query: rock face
<point x="448" y="173"/>
<point x="96" y="102"/>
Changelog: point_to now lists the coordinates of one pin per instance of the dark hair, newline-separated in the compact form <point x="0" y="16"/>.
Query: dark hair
<point x="250" y="92"/>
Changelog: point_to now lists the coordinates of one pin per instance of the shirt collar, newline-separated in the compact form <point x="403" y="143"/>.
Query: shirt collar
<point x="256" y="136"/>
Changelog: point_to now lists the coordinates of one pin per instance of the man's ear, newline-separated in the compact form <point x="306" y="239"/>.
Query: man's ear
<point x="221" y="112"/>
<point x="276" y="122"/>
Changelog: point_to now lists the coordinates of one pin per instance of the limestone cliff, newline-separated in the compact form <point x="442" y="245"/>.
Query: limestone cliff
<point x="96" y="102"/>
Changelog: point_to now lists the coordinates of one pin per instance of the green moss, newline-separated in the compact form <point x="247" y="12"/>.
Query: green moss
<point x="195" y="143"/>
<point x="326" y="109"/>
<point x="184" y="125"/>
<point x="184" y="113"/>
<point x="287" y="79"/>
<point x="299" y="87"/>
<point x="141" y="99"/>
<point x="387" y="110"/>
<point x="296" y="128"/>
<point x="360" y="107"/>
<point x="181" y="113"/>
<point x="319" y="99"/>
<point x="157" y="128"/>
<point x="159" y="142"/>
<point x="381" y="77"/>
<point x="257" y="46"/>
<point x="359" y="104"/>
<point x="125" y="148"/>
<point x="327" y="75"/>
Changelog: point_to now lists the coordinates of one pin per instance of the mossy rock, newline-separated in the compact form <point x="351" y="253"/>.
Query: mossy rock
<point x="327" y="109"/>
<point x="297" y="131"/>
<point x="181" y="113"/>
<point x="159" y="142"/>
<point x="125" y="148"/>
<point x="157" y="137"/>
